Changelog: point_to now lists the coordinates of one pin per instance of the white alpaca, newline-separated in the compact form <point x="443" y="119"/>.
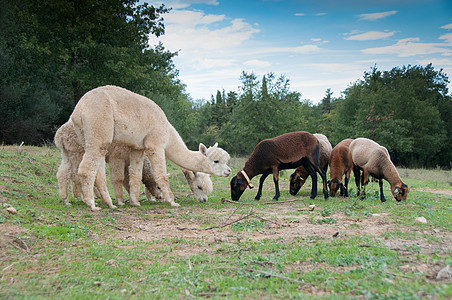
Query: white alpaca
<point x="111" y="115"/>
<point x="118" y="157"/>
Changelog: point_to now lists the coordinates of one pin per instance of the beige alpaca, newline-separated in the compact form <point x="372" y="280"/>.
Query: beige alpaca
<point x="111" y="115"/>
<point x="72" y="153"/>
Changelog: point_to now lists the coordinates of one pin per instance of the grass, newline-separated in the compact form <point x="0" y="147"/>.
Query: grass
<point x="345" y="248"/>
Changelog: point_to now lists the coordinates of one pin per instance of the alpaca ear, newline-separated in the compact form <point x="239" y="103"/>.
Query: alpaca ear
<point x="203" y="149"/>
<point x="214" y="146"/>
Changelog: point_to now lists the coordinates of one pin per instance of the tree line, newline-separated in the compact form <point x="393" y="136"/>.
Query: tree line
<point x="52" y="52"/>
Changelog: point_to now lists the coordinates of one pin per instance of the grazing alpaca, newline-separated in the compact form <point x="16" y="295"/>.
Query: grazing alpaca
<point x="298" y="178"/>
<point x="72" y="154"/>
<point x="286" y="151"/>
<point x="374" y="160"/>
<point x="111" y="115"/>
<point x="340" y="164"/>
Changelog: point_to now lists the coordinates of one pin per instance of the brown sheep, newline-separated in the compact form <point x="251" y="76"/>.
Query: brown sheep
<point x="286" y="151"/>
<point x="298" y="178"/>
<point x="340" y="164"/>
<point x="373" y="159"/>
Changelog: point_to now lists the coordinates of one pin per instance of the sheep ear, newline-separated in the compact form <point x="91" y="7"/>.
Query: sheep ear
<point x="203" y="149"/>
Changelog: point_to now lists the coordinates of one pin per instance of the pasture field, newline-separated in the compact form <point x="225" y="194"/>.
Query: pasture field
<point x="344" y="248"/>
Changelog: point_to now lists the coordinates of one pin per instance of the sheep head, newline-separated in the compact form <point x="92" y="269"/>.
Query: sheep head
<point x="296" y="182"/>
<point x="217" y="159"/>
<point x="400" y="192"/>
<point x="238" y="186"/>
<point x="199" y="183"/>
<point x="334" y="185"/>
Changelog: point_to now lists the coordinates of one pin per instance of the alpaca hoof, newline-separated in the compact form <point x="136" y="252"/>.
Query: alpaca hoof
<point x="67" y="203"/>
<point x="95" y="208"/>
<point x="174" y="204"/>
<point x="135" y="204"/>
<point x="113" y="206"/>
<point x="120" y="203"/>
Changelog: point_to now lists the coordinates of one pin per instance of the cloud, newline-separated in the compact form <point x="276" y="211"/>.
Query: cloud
<point x="300" y="14"/>
<point x="447" y="37"/>
<point x="319" y="14"/>
<point x="376" y="16"/>
<point x="370" y="36"/>
<point x="448" y="26"/>
<point x="178" y="4"/>
<point x="409" y="47"/>
<point x="197" y="32"/>
<point x="256" y="63"/>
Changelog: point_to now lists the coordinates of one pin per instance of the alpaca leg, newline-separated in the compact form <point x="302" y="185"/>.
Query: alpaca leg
<point x="87" y="172"/>
<point x="275" y="180"/>
<point x="64" y="176"/>
<point x="135" y="174"/>
<point x="117" y="177"/>
<point x="158" y="163"/>
<point x="261" y="184"/>
<point x="101" y="185"/>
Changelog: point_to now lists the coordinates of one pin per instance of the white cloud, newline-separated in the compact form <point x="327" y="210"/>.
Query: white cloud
<point x="371" y="36"/>
<point x="447" y="37"/>
<point x="178" y="4"/>
<point x="376" y="16"/>
<point x="256" y="63"/>
<point x="409" y="47"/>
<point x="448" y="26"/>
<point x="319" y="14"/>
<point x="300" y="14"/>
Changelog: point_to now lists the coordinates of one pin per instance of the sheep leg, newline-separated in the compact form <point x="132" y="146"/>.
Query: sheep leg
<point x="310" y="168"/>
<point x="261" y="183"/>
<point x="135" y="174"/>
<point x="275" y="180"/>
<point x="64" y="176"/>
<point x="324" y="181"/>
<point x="382" y="196"/>
<point x="158" y="163"/>
<point x="347" y="178"/>
<point x="357" y="175"/>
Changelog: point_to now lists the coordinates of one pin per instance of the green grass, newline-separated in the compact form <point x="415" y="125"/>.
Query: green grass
<point x="215" y="250"/>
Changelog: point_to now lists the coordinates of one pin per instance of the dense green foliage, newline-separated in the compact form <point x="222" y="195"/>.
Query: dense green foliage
<point x="52" y="52"/>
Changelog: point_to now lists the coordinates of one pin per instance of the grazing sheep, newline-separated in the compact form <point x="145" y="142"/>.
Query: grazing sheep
<point x="111" y="115"/>
<point x="340" y="164"/>
<point x="286" y="151"/>
<point x="374" y="160"/>
<point x="298" y="178"/>
<point x="118" y="158"/>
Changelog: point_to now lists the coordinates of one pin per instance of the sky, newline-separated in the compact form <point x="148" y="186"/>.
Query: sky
<point x="316" y="44"/>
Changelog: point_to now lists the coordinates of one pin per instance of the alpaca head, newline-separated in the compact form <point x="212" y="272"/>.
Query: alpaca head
<point x="217" y="160"/>
<point x="296" y="182"/>
<point x="400" y="192"/>
<point x="199" y="183"/>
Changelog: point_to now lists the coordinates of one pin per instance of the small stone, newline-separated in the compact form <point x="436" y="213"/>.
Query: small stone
<point x="376" y="215"/>
<point x="97" y="283"/>
<point x="420" y="220"/>
<point x="312" y="207"/>
<point x="11" y="210"/>
<point x="444" y="273"/>
<point x="436" y="231"/>
<point x="110" y="262"/>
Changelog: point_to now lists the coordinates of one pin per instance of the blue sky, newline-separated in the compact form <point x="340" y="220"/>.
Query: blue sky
<point x="317" y="44"/>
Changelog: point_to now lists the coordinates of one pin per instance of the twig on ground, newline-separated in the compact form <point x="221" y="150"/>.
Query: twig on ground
<point x="220" y="226"/>
<point x="223" y="200"/>
<point x="24" y="245"/>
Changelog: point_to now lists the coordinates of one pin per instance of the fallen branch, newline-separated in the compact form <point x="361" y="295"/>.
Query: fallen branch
<point x="214" y="227"/>
<point x="223" y="200"/>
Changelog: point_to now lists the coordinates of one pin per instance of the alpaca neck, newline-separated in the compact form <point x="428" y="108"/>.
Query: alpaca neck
<point x="178" y="153"/>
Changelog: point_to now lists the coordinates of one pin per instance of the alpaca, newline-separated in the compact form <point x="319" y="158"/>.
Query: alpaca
<point x="374" y="160"/>
<point x="286" y="151"/>
<point x="111" y="115"/>
<point x="298" y="178"/>
<point x="72" y="153"/>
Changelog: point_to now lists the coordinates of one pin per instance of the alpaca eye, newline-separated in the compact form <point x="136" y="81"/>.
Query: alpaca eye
<point x="199" y="187"/>
<point x="216" y="161"/>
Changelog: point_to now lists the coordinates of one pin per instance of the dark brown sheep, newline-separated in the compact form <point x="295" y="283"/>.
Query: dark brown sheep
<point x="298" y="178"/>
<point x="373" y="159"/>
<point x="287" y="151"/>
<point x="340" y="164"/>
